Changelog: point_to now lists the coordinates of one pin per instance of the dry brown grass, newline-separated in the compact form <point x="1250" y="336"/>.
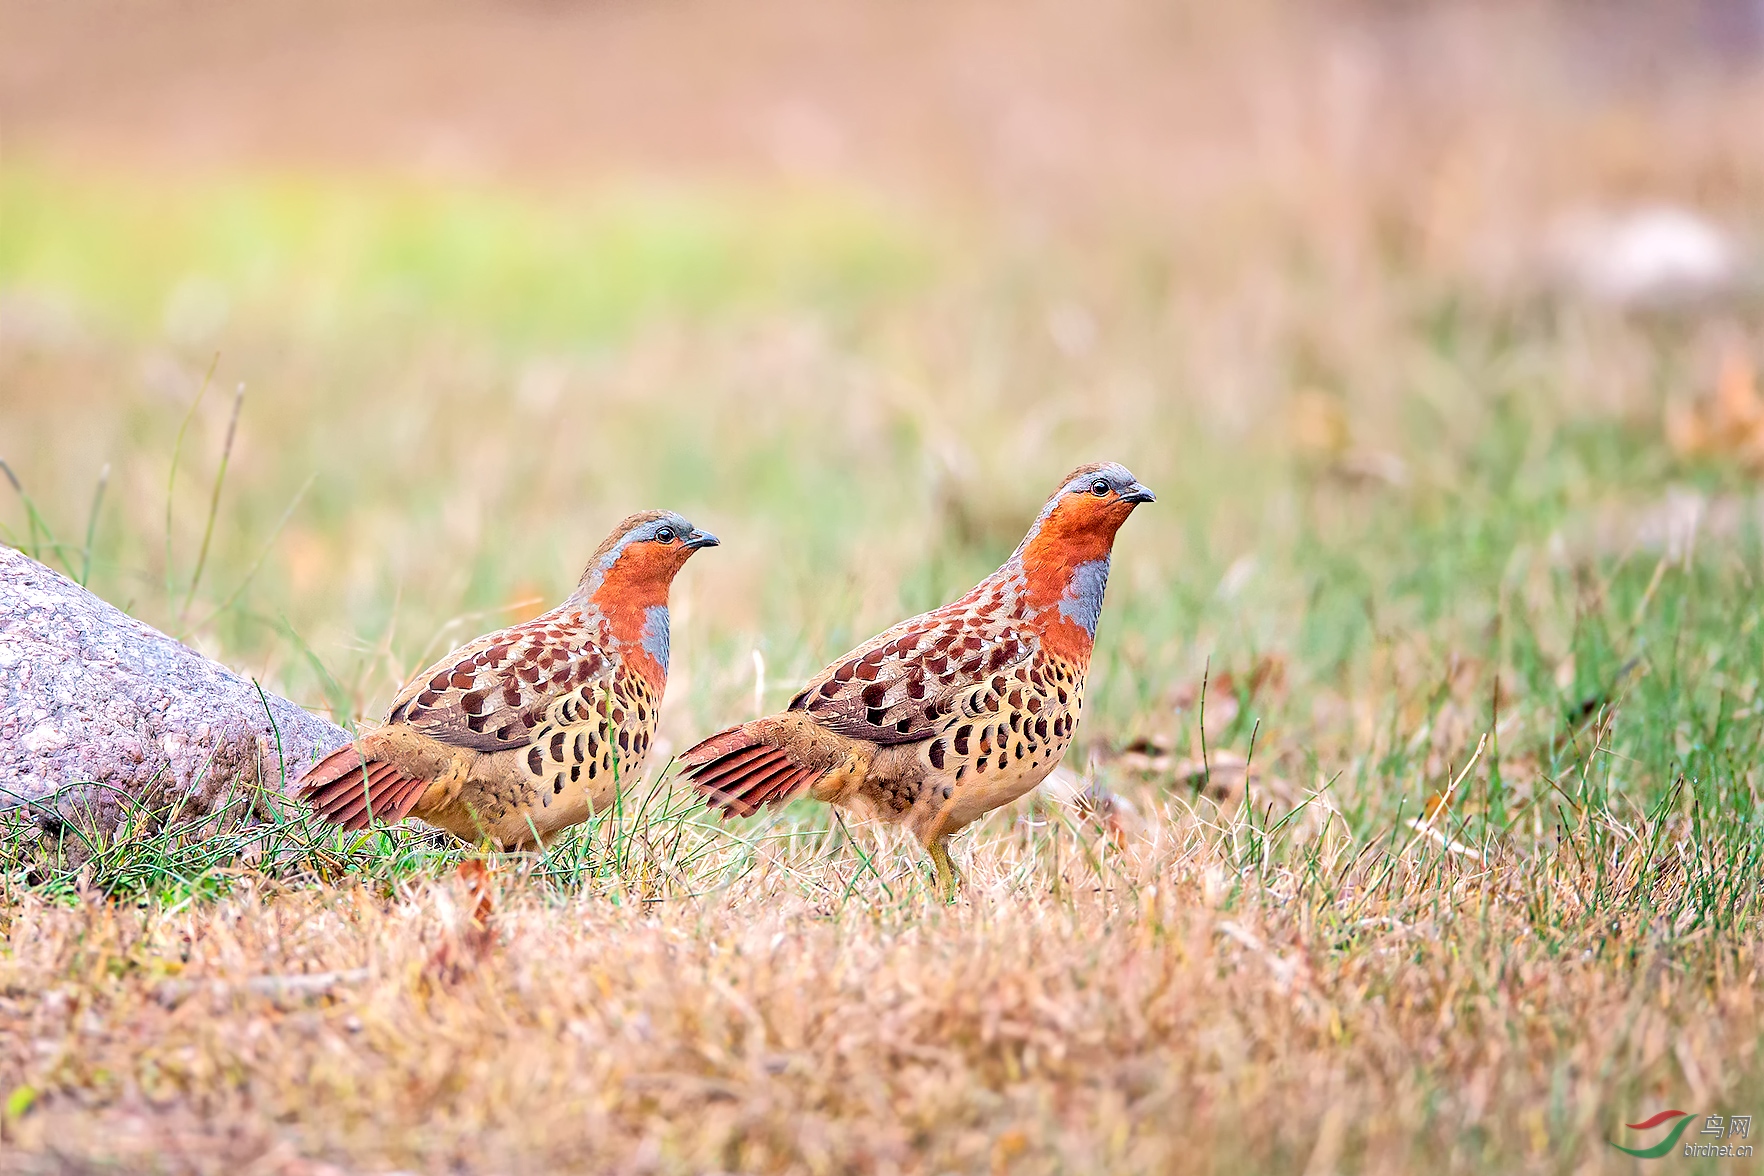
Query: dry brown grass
<point x="1164" y="1010"/>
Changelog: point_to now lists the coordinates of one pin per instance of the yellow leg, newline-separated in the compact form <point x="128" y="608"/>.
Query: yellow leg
<point x="949" y="879"/>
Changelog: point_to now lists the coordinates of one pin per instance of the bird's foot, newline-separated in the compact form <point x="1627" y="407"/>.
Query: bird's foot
<point x="949" y="879"/>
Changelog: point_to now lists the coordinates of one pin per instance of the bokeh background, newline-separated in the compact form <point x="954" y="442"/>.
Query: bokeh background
<point x="1407" y="310"/>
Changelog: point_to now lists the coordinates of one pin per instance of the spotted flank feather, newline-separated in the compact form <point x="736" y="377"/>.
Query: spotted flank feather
<point x="590" y="737"/>
<point x="1014" y="724"/>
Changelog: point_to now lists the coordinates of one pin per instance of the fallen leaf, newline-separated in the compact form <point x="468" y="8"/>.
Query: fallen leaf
<point x="459" y="953"/>
<point x="1729" y="424"/>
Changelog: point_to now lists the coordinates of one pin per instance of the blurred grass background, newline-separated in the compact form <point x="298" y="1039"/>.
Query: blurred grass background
<point x="854" y="289"/>
<point x="1308" y="288"/>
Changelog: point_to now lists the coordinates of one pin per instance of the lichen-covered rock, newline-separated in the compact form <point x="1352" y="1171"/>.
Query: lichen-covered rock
<point x="98" y="709"/>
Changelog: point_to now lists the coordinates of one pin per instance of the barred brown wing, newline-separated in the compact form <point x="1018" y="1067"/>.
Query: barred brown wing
<point x="492" y="694"/>
<point x="900" y="686"/>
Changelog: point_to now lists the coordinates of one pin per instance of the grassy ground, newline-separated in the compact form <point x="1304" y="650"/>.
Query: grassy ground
<point x="1423" y="555"/>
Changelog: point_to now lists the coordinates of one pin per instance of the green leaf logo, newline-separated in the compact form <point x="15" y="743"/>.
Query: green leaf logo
<point x="1665" y="1145"/>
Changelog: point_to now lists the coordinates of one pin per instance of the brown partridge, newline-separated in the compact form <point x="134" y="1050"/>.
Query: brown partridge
<point x="530" y="729"/>
<point x="953" y="713"/>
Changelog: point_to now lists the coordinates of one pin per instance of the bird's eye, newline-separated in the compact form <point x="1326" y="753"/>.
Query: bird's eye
<point x="1100" y="488"/>
<point x="665" y="535"/>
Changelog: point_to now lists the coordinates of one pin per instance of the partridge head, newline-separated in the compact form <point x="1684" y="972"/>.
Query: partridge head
<point x="530" y="729"/>
<point x="950" y="714"/>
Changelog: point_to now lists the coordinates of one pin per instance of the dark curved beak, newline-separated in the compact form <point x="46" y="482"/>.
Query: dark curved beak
<point x="701" y="539"/>
<point x="1137" y="493"/>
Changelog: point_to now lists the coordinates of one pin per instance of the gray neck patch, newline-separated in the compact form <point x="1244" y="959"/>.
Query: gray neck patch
<point x="1082" y="601"/>
<point x="655" y="633"/>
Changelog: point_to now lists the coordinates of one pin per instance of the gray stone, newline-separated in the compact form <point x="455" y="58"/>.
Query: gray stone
<point x="98" y="710"/>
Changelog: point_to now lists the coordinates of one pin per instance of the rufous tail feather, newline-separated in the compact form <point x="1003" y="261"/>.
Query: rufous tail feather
<point x="348" y="791"/>
<point x="740" y="771"/>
